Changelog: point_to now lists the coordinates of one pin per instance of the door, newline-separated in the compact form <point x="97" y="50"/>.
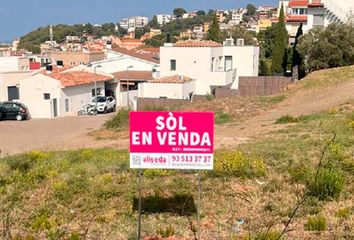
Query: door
<point x="13" y="93"/>
<point x="55" y="107"/>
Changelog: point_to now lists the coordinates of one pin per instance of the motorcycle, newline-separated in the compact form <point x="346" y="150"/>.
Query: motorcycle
<point x="88" y="109"/>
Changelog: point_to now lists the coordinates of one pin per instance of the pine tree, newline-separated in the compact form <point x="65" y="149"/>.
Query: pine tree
<point x="214" y="30"/>
<point x="280" y="45"/>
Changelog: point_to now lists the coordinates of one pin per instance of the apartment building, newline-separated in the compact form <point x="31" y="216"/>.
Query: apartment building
<point x="162" y="19"/>
<point x="134" y="22"/>
<point x="314" y="13"/>
<point x="74" y="58"/>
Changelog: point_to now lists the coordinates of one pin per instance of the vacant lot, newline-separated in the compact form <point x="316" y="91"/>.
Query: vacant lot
<point x="49" y="134"/>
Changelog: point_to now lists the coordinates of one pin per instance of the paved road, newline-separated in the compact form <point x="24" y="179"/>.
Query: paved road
<point x="49" y="134"/>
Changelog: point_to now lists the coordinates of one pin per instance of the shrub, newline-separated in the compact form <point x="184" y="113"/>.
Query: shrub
<point x="157" y="173"/>
<point x="328" y="185"/>
<point x="316" y="223"/>
<point x="287" y="119"/>
<point x="118" y="121"/>
<point x="238" y="164"/>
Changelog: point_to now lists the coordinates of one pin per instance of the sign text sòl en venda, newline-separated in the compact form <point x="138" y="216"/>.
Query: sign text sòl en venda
<point x="171" y="140"/>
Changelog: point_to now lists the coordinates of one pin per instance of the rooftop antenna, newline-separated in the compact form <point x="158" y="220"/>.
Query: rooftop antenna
<point x="51" y="37"/>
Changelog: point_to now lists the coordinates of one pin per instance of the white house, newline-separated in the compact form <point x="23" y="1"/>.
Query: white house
<point x="209" y="63"/>
<point x="120" y="59"/>
<point x="162" y="19"/>
<point x="60" y="92"/>
<point x="174" y="87"/>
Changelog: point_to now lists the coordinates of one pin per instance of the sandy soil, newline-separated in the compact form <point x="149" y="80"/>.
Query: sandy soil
<point x="49" y="134"/>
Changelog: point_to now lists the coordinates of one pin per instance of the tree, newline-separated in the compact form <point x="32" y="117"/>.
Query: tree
<point x="327" y="48"/>
<point x="280" y="45"/>
<point x="239" y="31"/>
<point x="178" y="12"/>
<point x="251" y="9"/>
<point x="214" y="33"/>
<point x="153" y="23"/>
<point x="297" y="61"/>
<point x="139" y="32"/>
<point x="201" y="13"/>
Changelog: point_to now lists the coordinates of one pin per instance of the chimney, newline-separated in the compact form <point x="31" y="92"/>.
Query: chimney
<point x="49" y="69"/>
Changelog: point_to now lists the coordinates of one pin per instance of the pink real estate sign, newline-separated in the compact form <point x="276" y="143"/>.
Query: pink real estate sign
<point x="171" y="140"/>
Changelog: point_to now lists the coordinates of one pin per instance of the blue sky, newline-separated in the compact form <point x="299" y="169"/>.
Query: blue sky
<point x="21" y="16"/>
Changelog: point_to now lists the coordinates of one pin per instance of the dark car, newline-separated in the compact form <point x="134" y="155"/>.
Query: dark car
<point x="13" y="110"/>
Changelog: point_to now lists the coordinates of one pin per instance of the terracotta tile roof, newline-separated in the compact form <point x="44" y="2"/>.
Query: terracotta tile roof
<point x="144" y="55"/>
<point x="298" y="3"/>
<point x="75" y="78"/>
<point x="133" y="75"/>
<point x="195" y="43"/>
<point x="172" y="79"/>
<point x="296" y="18"/>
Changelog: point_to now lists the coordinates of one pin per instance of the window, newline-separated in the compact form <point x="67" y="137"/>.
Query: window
<point x="212" y="63"/>
<point x="228" y="63"/>
<point x="67" y="105"/>
<point x="98" y="92"/>
<point x="46" y="96"/>
<point x="173" y="65"/>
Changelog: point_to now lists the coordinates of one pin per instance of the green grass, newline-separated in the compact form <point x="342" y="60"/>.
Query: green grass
<point x="222" y="118"/>
<point x="316" y="223"/>
<point x="119" y="121"/>
<point x="329" y="77"/>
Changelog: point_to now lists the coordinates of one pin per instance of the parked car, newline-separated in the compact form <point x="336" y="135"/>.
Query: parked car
<point x="13" y="110"/>
<point x="105" y="104"/>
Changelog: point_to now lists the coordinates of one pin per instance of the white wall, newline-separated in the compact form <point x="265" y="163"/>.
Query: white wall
<point x="121" y="64"/>
<point x="123" y="98"/>
<point x="11" y="79"/>
<point x="32" y="91"/>
<point x="196" y="62"/>
<point x="78" y="96"/>
<point x="168" y="90"/>
<point x="8" y="64"/>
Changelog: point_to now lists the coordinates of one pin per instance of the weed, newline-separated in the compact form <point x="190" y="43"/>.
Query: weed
<point x="157" y="172"/>
<point x="238" y="164"/>
<point x="222" y="118"/>
<point x="269" y="235"/>
<point x="169" y="231"/>
<point x="287" y="119"/>
<point x="328" y="184"/>
<point x="344" y="213"/>
<point x="316" y="223"/>
<point x="118" y="121"/>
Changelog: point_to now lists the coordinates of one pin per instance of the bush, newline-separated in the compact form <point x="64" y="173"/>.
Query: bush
<point x="118" y="121"/>
<point x="238" y="164"/>
<point x="287" y="119"/>
<point x="316" y="223"/>
<point x="328" y="185"/>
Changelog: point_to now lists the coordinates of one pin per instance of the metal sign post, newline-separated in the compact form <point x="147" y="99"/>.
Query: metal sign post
<point x="199" y="203"/>
<point x="171" y="140"/>
<point x="139" y="203"/>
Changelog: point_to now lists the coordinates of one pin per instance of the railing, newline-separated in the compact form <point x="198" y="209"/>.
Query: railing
<point x="332" y="7"/>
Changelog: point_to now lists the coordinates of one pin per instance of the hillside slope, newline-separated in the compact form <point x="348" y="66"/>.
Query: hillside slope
<point x="320" y="91"/>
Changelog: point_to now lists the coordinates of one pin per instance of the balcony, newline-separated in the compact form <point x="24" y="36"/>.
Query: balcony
<point x="223" y="78"/>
